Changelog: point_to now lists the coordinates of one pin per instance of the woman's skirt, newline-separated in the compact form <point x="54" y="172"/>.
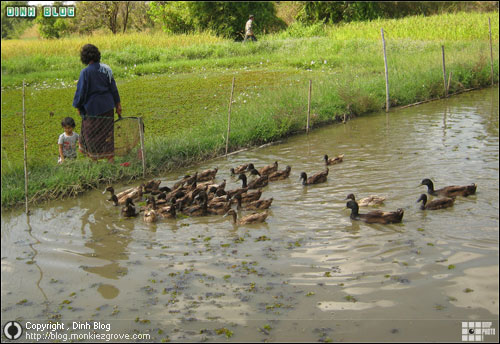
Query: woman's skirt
<point x="97" y="135"/>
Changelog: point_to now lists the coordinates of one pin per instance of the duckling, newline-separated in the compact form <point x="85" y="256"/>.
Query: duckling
<point x="151" y="215"/>
<point x="252" y="218"/>
<point x="336" y="160"/>
<point x="277" y="175"/>
<point x="239" y="169"/>
<point x="371" y="200"/>
<point x="254" y="184"/>
<point x="449" y="191"/>
<point x="129" y="209"/>
<point x="254" y="205"/>
<point x="319" y="177"/>
<point x="439" y="203"/>
<point x="207" y="175"/>
<point x="376" y="216"/>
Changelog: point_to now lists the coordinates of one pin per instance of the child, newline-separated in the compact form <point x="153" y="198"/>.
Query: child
<point x="67" y="140"/>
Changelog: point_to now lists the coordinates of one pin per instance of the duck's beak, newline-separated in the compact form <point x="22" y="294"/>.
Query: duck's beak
<point x="104" y="192"/>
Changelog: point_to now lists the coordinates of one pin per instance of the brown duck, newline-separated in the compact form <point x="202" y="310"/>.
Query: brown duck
<point x="239" y="169"/>
<point x="207" y="175"/>
<point x="439" y="203"/>
<point x="336" y="160"/>
<point x="133" y="193"/>
<point x="278" y="175"/>
<point x="254" y="205"/>
<point x="151" y="214"/>
<point x="319" y="177"/>
<point x="129" y="209"/>
<point x="252" y="218"/>
<point x="248" y="196"/>
<point x="449" y="191"/>
<point x="254" y="184"/>
<point x="376" y="216"/>
<point x="371" y="200"/>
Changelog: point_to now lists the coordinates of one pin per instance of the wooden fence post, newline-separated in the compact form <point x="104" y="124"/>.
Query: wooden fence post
<point x="143" y="157"/>
<point x="386" y="74"/>
<point x="25" y="155"/>
<point x="308" y="107"/>
<point x="229" y="117"/>
<point x="491" y="53"/>
<point x="444" y="74"/>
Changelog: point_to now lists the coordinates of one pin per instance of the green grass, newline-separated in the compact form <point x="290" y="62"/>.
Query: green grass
<point x="181" y="88"/>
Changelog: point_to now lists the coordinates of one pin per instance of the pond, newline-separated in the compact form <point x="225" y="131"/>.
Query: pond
<point x="309" y="273"/>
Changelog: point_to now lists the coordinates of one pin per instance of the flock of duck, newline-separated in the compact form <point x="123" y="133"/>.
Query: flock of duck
<point x="198" y="195"/>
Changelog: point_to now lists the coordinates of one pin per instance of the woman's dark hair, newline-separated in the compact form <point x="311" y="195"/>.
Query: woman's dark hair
<point x="89" y="53"/>
<point x="68" y="122"/>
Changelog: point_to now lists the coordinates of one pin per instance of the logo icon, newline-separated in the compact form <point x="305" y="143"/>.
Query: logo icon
<point x="12" y="330"/>
<point x="475" y="331"/>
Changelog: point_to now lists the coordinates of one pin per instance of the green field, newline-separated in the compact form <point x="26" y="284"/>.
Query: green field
<point x="180" y="85"/>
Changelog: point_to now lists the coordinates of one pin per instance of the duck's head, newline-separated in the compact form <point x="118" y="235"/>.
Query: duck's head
<point x="325" y="157"/>
<point x="110" y="189"/>
<point x="288" y="168"/>
<point x="129" y="201"/>
<point x="242" y="176"/>
<point x="303" y="175"/>
<point x="350" y="196"/>
<point x="162" y="195"/>
<point x="427" y="182"/>
<point x="250" y="167"/>
<point x="232" y="170"/>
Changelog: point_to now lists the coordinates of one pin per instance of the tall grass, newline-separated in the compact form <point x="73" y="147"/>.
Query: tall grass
<point x="185" y="107"/>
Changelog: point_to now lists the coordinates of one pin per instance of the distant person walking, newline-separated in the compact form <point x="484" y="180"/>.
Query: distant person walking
<point x="248" y="30"/>
<point x="95" y="97"/>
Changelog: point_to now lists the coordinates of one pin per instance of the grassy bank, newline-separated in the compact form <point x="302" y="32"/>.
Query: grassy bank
<point x="182" y="90"/>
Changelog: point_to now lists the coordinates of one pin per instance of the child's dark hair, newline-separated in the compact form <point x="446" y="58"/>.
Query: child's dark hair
<point x="68" y="122"/>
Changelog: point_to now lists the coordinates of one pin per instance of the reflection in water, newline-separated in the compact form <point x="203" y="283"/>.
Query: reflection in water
<point x="33" y="257"/>
<point x="107" y="242"/>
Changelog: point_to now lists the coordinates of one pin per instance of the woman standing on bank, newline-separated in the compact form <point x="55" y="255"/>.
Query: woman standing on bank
<point x="95" y="98"/>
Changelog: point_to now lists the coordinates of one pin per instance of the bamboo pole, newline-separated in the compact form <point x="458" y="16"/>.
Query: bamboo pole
<point x="386" y="74"/>
<point x="491" y="52"/>
<point x="449" y="81"/>
<point x="308" y="107"/>
<point x="444" y="74"/>
<point x="229" y="117"/>
<point x="141" y="135"/>
<point x="25" y="154"/>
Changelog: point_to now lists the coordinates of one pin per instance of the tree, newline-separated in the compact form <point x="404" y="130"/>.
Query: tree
<point x="114" y="15"/>
<point x="226" y="19"/>
<point x="14" y="27"/>
<point x="52" y="27"/>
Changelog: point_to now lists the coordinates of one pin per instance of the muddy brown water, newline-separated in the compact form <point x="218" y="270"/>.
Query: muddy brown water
<point x="309" y="273"/>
